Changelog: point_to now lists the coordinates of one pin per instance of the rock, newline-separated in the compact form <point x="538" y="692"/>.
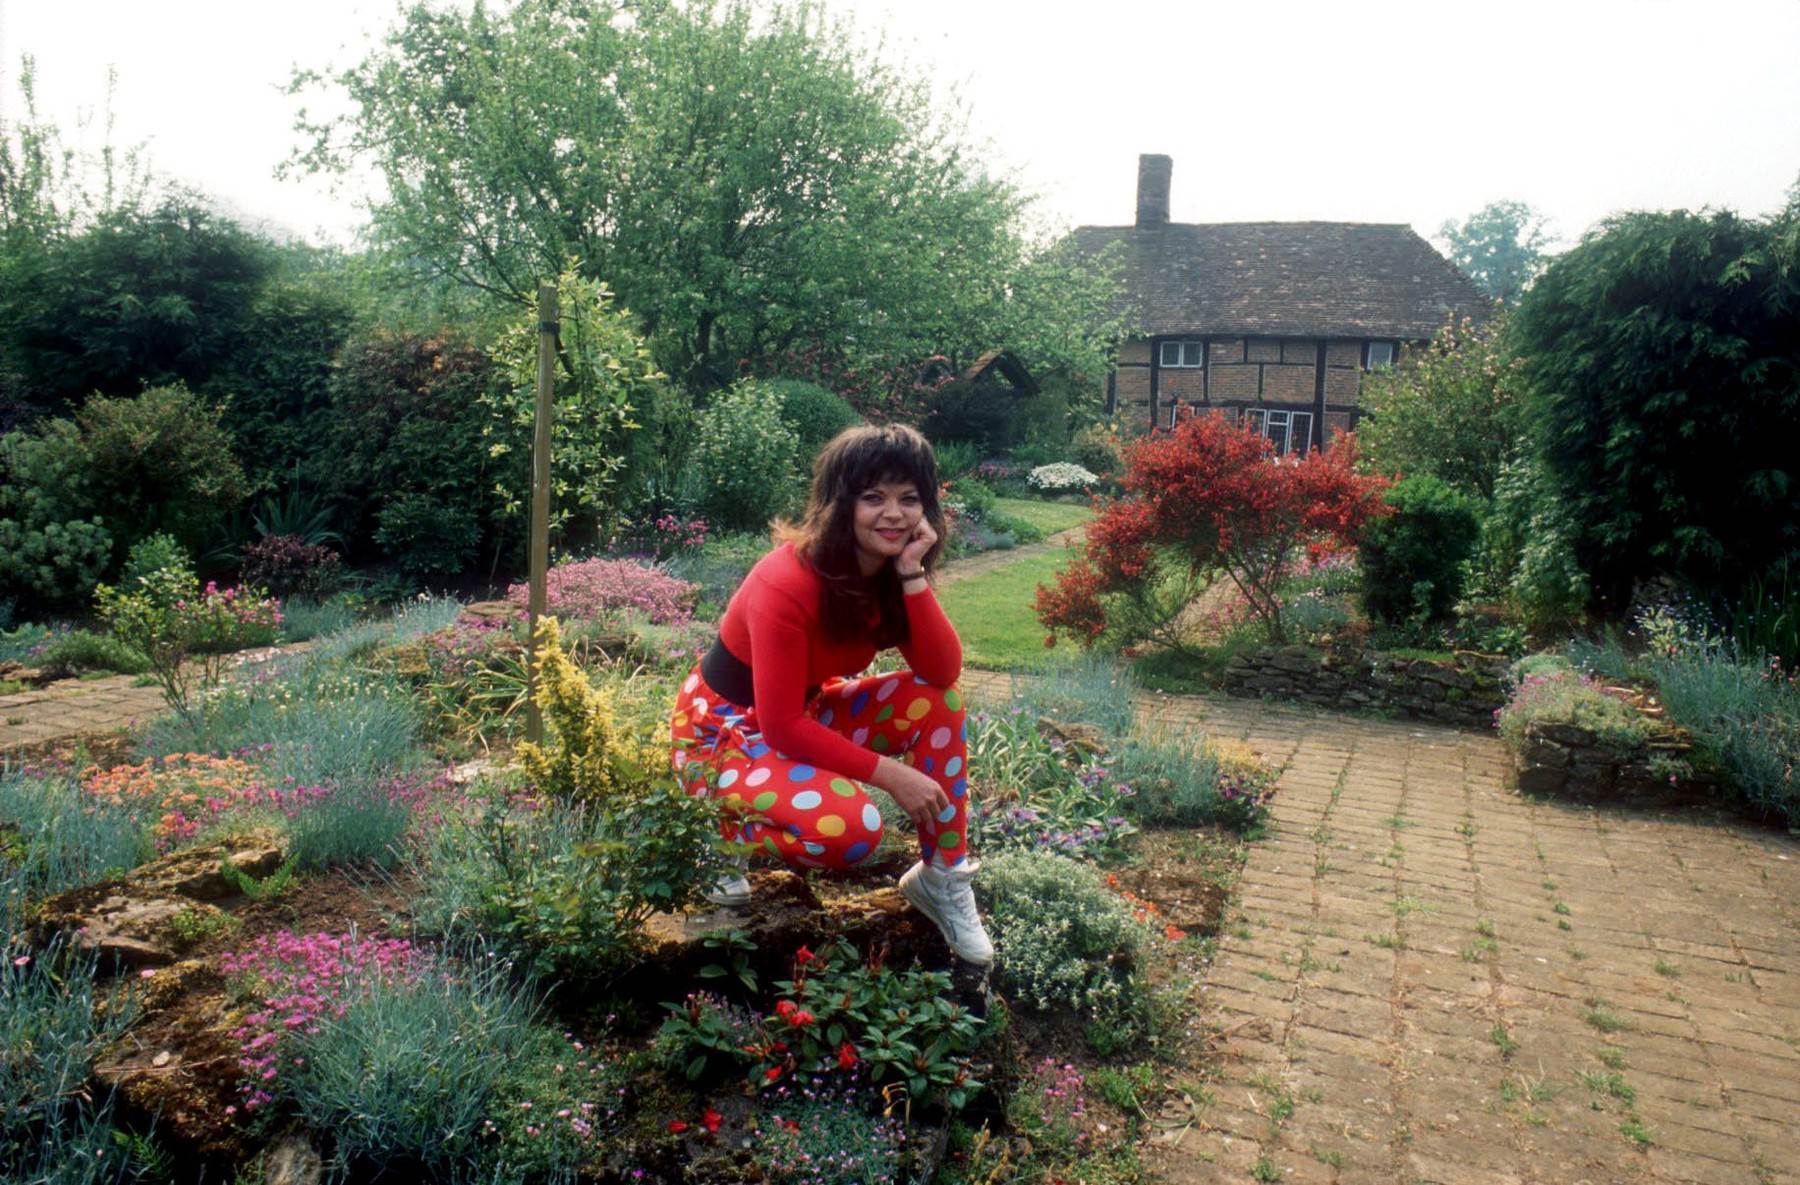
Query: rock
<point x="292" y="1161"/>
<point x="1083" y="738"/>
<point x="195" y="873"/>
<point x="492" y="611"/>
<point x="1570" y="735"/>
<point x="1542" y="780"/>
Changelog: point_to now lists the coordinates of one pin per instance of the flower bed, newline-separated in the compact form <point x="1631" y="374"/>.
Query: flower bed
<point x="1575" y="735"/>
<point x="1465" y="691"/>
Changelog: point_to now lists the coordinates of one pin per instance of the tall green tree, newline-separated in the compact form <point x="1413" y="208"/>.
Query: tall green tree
<point x="742" y="176"/>
<point x="1662" y="377"/>
<point x="1448" y="410"/>
<point x="1500" y="247"/>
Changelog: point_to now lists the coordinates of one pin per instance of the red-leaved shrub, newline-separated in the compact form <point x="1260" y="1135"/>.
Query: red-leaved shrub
<point x="1205" y="499"/>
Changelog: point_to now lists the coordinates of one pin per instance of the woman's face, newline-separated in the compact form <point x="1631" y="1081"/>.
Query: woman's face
<point x="886" y="515"/>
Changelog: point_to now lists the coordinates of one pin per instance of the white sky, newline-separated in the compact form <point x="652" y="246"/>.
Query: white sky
<point x="1379" y="110"/>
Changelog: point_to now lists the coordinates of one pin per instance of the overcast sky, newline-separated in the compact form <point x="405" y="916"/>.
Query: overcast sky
<point x="1378" y="111"/>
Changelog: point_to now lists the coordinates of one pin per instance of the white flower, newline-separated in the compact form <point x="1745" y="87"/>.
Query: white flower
<point x="1063" y="475"/>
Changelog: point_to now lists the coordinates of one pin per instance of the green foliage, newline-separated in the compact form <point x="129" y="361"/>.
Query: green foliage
<point x="81" y="651"/>
<point x="706" y="1038"/>
<point x="566" y="889"/>
<point x="1528" y="546"/>
<point x="161" y="460"/>
<point x="55" y="1021"/>
<point x="405" y="1076"/>
<point x="814" y="414"/>
<point x="1555" y="693"/>
<point x="956" y="458"/>
<point x="833" y="1141"/>
<point x="1185" y="780"/>
<point x="53" y="837"/>
<point x="811" y="195"/>
<point x="158" y="297"/>
<point x="183" y="631"/>
<point x="1500" y="247"/>
<point x="159" y="564"/>
<point x="985" y="414"/>
<point x="1412" y="558"/>
<point x="1063" y="940"/>
<point x="1449" y="411"/>
<point x="52" y="549"/>
<point x="586" y="755"/>
<point x="1094" y="689"/>
<point x="721" y="563"/>
<point x="1661" y="372"/>
<point x="302" y="619"/>
<point x="410" y="469"/>
<point x="603" y="373"/>
<point x="311" y="721"/>
<point x="1098" y="449"/>
<point x="745" y="464"/>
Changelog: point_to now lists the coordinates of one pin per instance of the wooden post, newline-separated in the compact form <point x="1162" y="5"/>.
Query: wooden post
<point x="540" y="500"/>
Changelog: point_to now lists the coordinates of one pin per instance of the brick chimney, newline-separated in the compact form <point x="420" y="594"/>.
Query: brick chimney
<point x="1153" y="189"/>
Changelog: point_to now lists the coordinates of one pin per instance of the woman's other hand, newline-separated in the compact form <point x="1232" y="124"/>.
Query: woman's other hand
<point x="918" y="794"/>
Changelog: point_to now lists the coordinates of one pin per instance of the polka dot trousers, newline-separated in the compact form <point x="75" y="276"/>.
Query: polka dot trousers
<point x="815" y="817"/>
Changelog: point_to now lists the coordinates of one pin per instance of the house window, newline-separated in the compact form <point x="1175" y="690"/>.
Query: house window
<point x="1381" y="355"/>
<point x="1290" y="430"/>
<point x="1183" y="354"/>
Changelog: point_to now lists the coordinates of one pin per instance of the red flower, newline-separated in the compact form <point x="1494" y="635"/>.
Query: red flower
<point x="676" y="1125"/>
<point x="711" y="1119"/>
<point x="801" y="1019"/>
<point x="785" y="1010"/>
<point x="803" y="956"/>
<point x="772" y="1073"/>
<point x="846" y="1056"/>
<point x="791" y="1125"/>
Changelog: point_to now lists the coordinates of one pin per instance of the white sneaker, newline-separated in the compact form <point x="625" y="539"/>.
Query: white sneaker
<point x="733" y="888"/>
<point x="946" y="897"/>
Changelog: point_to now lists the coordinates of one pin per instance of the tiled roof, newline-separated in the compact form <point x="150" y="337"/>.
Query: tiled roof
<point x="1308" y="279"/>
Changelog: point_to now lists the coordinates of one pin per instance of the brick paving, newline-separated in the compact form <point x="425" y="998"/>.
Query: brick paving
<point x="70" y="707"/>
<point x="1429" y="978"/>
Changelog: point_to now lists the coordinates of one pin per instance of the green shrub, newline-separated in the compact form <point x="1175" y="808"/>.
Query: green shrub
<point x="1175" y="777"/>
<point x="1745" y="714"/>
<point x="815" y="414"/>
<point x="1558" y="694"/>
<point x="159" y="461"/>
<point x="411" y="472"/>
<point x="976" y="497"/>
<point x="1020" y="531"/>
<point x="721" y="563"/>
<point x="956" y="458"/>
<point x="309" y="720"/>
<point x="975" y="412"/>
<point x="1064" y="940"/>
<point x="155" y="559"/>
<point x="407" y="1073"/>
<point x="54" y="1023"/>
<point x="81" y="651"/>
<point x="566" y="889"/>
<point x="745" y="465"/>
<point x="1412" y="558"/>
<point x="1097" y="448"/>
<point x="54" y="837"/>
<point x="184" y="631"/>
<point x="53" y="549"/>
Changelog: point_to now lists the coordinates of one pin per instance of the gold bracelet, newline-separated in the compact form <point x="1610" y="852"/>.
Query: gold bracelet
<point x="905" y="576"/>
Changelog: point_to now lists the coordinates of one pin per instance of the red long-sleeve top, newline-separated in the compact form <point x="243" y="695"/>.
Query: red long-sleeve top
<point x="773" y="625"/>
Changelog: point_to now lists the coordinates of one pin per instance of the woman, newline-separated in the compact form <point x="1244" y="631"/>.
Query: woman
<point x="768" y="722"/>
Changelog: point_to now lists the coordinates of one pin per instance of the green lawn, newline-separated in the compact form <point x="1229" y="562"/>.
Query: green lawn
<point x="992" y="613"/>
<point x="1048" y="517"/>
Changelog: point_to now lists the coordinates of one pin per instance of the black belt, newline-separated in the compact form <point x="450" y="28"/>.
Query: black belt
<point x="729" y="675"/>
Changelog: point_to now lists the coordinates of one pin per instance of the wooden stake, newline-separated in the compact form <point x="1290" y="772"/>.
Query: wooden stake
<point x="540" y="500"/>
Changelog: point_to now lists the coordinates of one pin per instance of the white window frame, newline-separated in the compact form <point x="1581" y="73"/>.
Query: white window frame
<point x="1189" y="354"/>
<point x="1370" y="363"/>
<point x="1268" y="421"/>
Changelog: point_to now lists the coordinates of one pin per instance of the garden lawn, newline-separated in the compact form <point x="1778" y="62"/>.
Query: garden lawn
<point x="994" y="618"/>
<point x="1048" y="517"/>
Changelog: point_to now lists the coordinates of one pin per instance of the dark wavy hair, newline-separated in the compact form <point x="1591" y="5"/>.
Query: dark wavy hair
<point x="825" y="536"/>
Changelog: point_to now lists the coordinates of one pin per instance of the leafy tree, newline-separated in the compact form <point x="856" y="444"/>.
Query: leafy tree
<point x="1448" y="410"/>
<point x="1203" y="501"/>
<point x="138" y="298"/>
<point x="1500" y="247"/>
<point x="411" y="469"/>
<point x="1662" y="374"/>
<point x="604" y="374"/>
<point x="744" y="178"/>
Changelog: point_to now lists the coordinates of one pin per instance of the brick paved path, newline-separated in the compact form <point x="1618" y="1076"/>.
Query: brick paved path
<point x="71" y="706"/>
<point x="1431" y="979"/>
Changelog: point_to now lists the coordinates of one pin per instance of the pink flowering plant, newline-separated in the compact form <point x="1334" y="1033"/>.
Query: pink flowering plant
<point x="596" y="587"/>
<point x="186" y="630"/>
<point x="416" y="1063"/>
<point x="1548" y="690"/>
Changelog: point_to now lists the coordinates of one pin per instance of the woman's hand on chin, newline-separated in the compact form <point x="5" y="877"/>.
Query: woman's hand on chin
<point x="912" y="556"/>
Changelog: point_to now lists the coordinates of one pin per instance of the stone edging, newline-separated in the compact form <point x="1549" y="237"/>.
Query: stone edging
<point x="1466" y="693"/>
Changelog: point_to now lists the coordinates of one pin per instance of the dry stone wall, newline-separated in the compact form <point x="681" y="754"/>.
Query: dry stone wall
<point x="1466" y="692"/>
